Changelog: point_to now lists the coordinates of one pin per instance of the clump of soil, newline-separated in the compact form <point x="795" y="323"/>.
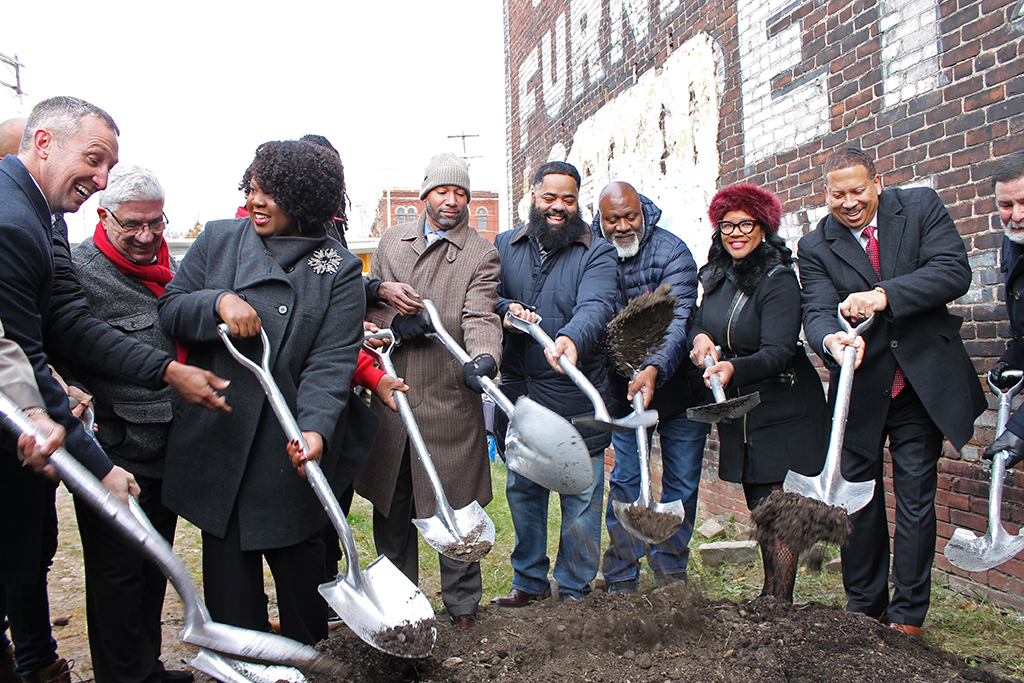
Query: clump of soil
<point x="407" y="639"/>
<point x="799" y="522"/>
<point x="669" y="634"/>
<point x="654" y="525"/>
<point x="639" y="329"/>
<point x="473" y="551"/>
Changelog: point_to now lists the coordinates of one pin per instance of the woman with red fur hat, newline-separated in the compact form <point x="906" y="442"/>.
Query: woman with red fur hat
<point x="751" y="311"/>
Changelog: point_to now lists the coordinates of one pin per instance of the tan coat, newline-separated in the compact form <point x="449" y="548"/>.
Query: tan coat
<point x="459" y="273"/>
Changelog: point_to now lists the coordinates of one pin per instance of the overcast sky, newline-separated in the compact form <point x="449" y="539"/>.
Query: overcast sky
<point x="196" y="86"/>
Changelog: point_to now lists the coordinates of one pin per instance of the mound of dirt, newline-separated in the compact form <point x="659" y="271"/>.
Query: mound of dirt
<point x="666" y="635"/>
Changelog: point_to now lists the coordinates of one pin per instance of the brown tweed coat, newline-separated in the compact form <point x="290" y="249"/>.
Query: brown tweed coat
<point x="459" y="273"/>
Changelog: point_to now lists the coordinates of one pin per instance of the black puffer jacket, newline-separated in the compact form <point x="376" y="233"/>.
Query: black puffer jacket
<point x="663" y="259"/>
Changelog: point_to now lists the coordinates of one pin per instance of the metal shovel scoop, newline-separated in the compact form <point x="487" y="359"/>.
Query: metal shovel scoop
<point x="466" y="534"/>
<point x="969" y="552"/>
<point x="131" y="522"/>
<point x="829" y="487"/>
<point x="647" y="519"/>
<point x="722" y="408"/>
<point x="381" y="605"/>
<point x="539" y="444"/>
<point x="601" y="420"/>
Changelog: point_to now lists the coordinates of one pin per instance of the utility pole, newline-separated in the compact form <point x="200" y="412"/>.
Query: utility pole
<point x="464" y="135"/>
<point x="16" y="65"/>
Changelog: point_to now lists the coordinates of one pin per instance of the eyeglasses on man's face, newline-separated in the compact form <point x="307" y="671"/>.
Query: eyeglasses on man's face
<point x="745" y="227"/>
<point x="136" y="228"/>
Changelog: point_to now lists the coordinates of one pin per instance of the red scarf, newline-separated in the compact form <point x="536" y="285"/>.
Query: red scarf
<point x="155" y="276"/>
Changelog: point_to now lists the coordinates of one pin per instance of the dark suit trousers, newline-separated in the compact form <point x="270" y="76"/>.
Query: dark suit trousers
<point x="233" y="584"/>
<point x="124" y="593"/>
<point x="27" y="606"/>
<point x="396" y="538"/>
<point x="915" y="445"/>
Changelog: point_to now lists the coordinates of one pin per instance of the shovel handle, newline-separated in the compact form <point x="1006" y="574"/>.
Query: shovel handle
<point x="716" y="380"/>
<point x="130" y="522"/>
<point x="492" y="390"/>
<point x="314" y="474"/>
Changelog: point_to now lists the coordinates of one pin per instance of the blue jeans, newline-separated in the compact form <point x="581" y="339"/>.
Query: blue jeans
<point x="579" y="544"/>
<point x="682" y="451"/>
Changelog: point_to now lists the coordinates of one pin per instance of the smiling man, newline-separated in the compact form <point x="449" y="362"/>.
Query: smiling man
<point x="895" y="254"/>
<point x="648" y="257"/>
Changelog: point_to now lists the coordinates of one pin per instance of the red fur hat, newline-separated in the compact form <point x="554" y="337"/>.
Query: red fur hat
<point x="759" y="203"/>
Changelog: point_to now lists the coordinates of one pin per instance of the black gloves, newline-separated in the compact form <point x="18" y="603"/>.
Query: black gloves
<point x="472" y="371"/>
<point x="1007" y="441"/>
<point x="995" y="375"/>
<point x="411" y="328"/>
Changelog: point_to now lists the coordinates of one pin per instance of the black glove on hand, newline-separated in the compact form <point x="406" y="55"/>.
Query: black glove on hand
<point x="995" y="375"/>
<point x="472" y="371"/>
<point x="1007" y="441"/>
<point x="411" y="328"/>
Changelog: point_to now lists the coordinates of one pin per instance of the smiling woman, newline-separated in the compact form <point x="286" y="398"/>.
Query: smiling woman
<point x="276" y="271"/>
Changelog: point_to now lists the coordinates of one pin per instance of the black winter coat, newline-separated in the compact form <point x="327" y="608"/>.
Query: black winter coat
<point x="758" y="328"/>
<point x="1012" y="265"/>
<point x="663" y="259"/>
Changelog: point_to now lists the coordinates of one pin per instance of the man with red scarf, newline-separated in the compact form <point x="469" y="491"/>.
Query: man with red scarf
<point x="123" y="268"/>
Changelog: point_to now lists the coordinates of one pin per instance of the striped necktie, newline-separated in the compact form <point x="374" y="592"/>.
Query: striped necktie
<point x="899" y="380"/>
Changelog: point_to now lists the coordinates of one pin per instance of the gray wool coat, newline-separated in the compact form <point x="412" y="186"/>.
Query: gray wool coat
<point x="133" y="421"/>
<point x="459" y="273"/>
<point x="216" y="461"/>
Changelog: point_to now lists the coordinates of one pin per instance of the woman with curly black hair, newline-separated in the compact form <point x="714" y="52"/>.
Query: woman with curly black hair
<point x="229" y="473"/>
<point x="751" y="311"/>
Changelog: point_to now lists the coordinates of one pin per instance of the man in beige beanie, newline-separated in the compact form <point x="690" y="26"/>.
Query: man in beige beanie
<point x="438" y="257"/>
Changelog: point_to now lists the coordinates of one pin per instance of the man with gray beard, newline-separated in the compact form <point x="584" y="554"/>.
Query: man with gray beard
<point x="1008" y="184"/>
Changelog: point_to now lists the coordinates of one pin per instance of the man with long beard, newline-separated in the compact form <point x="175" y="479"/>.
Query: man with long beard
<point x="1008" y="185"/>
<point x="556" y="268"/>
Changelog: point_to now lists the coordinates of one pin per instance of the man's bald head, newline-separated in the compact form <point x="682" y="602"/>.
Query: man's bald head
<point x="622" y="218"/>
<point x="11" y="131"/>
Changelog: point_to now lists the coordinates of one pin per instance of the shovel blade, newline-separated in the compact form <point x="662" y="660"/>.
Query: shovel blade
<point x="979" y="554"/>
<point x="389" y="612"/>
<point x="726" y="410"/>
<point x="261" y="648"/>
<point x="644" y="419"/>
<point x="232" y="671"/>
<point x="655" y="524"/>
<point x="543" y="447"/>
<point x="849" y="495"/>
<point x="471" y="540"/>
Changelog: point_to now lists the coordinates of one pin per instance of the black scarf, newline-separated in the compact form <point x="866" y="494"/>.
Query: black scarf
<point x="746" y="273"/>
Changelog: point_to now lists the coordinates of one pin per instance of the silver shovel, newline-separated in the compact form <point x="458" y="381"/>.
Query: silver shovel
<point x="602" y="419"/>
<point x="969" y="552"/>
<point x="722" y="408"/>
<point x="380" y="605"/>
<point x="539" y="444"/>
<point x="646" y="518"/>
<point x="131" y="522"/>
<point x="466" y="534"/>
<point x="830" y="487"/>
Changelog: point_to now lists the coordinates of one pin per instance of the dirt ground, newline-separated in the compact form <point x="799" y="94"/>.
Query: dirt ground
<point x="663" y="636"/>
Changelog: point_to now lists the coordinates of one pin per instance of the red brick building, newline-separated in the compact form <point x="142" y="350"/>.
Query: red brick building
<point x="405" y="206"/>
<point x="681" y="97"/>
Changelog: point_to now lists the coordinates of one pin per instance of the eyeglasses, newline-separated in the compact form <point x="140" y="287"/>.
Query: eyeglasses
<point x="135" y="228"/>
<point x="745" y="227"/>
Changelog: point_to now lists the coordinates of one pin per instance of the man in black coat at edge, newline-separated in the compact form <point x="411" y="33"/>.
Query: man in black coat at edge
<point x="65" y="155"/>
<point x="1008" y="185"/>
<point x="915" y="381"/>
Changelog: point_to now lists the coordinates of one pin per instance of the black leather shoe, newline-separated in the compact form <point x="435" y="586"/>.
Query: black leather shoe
<point x="464" y="622"/>
<point x="518" y="598"/>
<point x="171" y="676"/>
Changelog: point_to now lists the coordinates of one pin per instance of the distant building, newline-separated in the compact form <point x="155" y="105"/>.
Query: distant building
<point x="405" y="206"/>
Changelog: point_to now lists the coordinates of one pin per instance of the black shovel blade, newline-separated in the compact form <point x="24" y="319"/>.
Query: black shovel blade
<point x="726" y="410"/>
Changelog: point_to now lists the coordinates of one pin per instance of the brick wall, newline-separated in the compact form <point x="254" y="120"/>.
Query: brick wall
<point x="683" y="96"/>
<point x="406" y="206"/>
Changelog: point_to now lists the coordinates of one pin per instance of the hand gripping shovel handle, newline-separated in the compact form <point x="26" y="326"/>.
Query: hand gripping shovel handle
<point x="575" y="374"/>
<point x="460" y="354"/>
<point x="314" y="474"/>
<point x="842" y="409"/>
<point x="716" y="380"/>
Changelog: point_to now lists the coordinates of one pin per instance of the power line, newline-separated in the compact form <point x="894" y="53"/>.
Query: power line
<point x="13" y="63"/>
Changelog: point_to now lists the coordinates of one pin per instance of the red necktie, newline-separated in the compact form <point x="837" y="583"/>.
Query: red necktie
<point x="899" y="380"/>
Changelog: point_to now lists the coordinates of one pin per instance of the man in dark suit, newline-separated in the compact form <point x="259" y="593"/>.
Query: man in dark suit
<point x="70" y="149"/>
<point x="895" y="255"/>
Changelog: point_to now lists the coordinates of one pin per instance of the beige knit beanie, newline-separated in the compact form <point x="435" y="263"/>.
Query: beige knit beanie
<point x="445" y="169"/>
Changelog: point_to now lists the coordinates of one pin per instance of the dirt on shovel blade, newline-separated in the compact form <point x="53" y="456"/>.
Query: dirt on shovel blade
<point x="639" y="329"/>
<point x="467" y="552"/>
<point x="650" y="523"/>
<point x="799" y="522"/>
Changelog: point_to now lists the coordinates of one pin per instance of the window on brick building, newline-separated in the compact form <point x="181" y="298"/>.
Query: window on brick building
<point x="411" y="213"/>
<point x="481" y="219"/>
<point x="400" y="215"/>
